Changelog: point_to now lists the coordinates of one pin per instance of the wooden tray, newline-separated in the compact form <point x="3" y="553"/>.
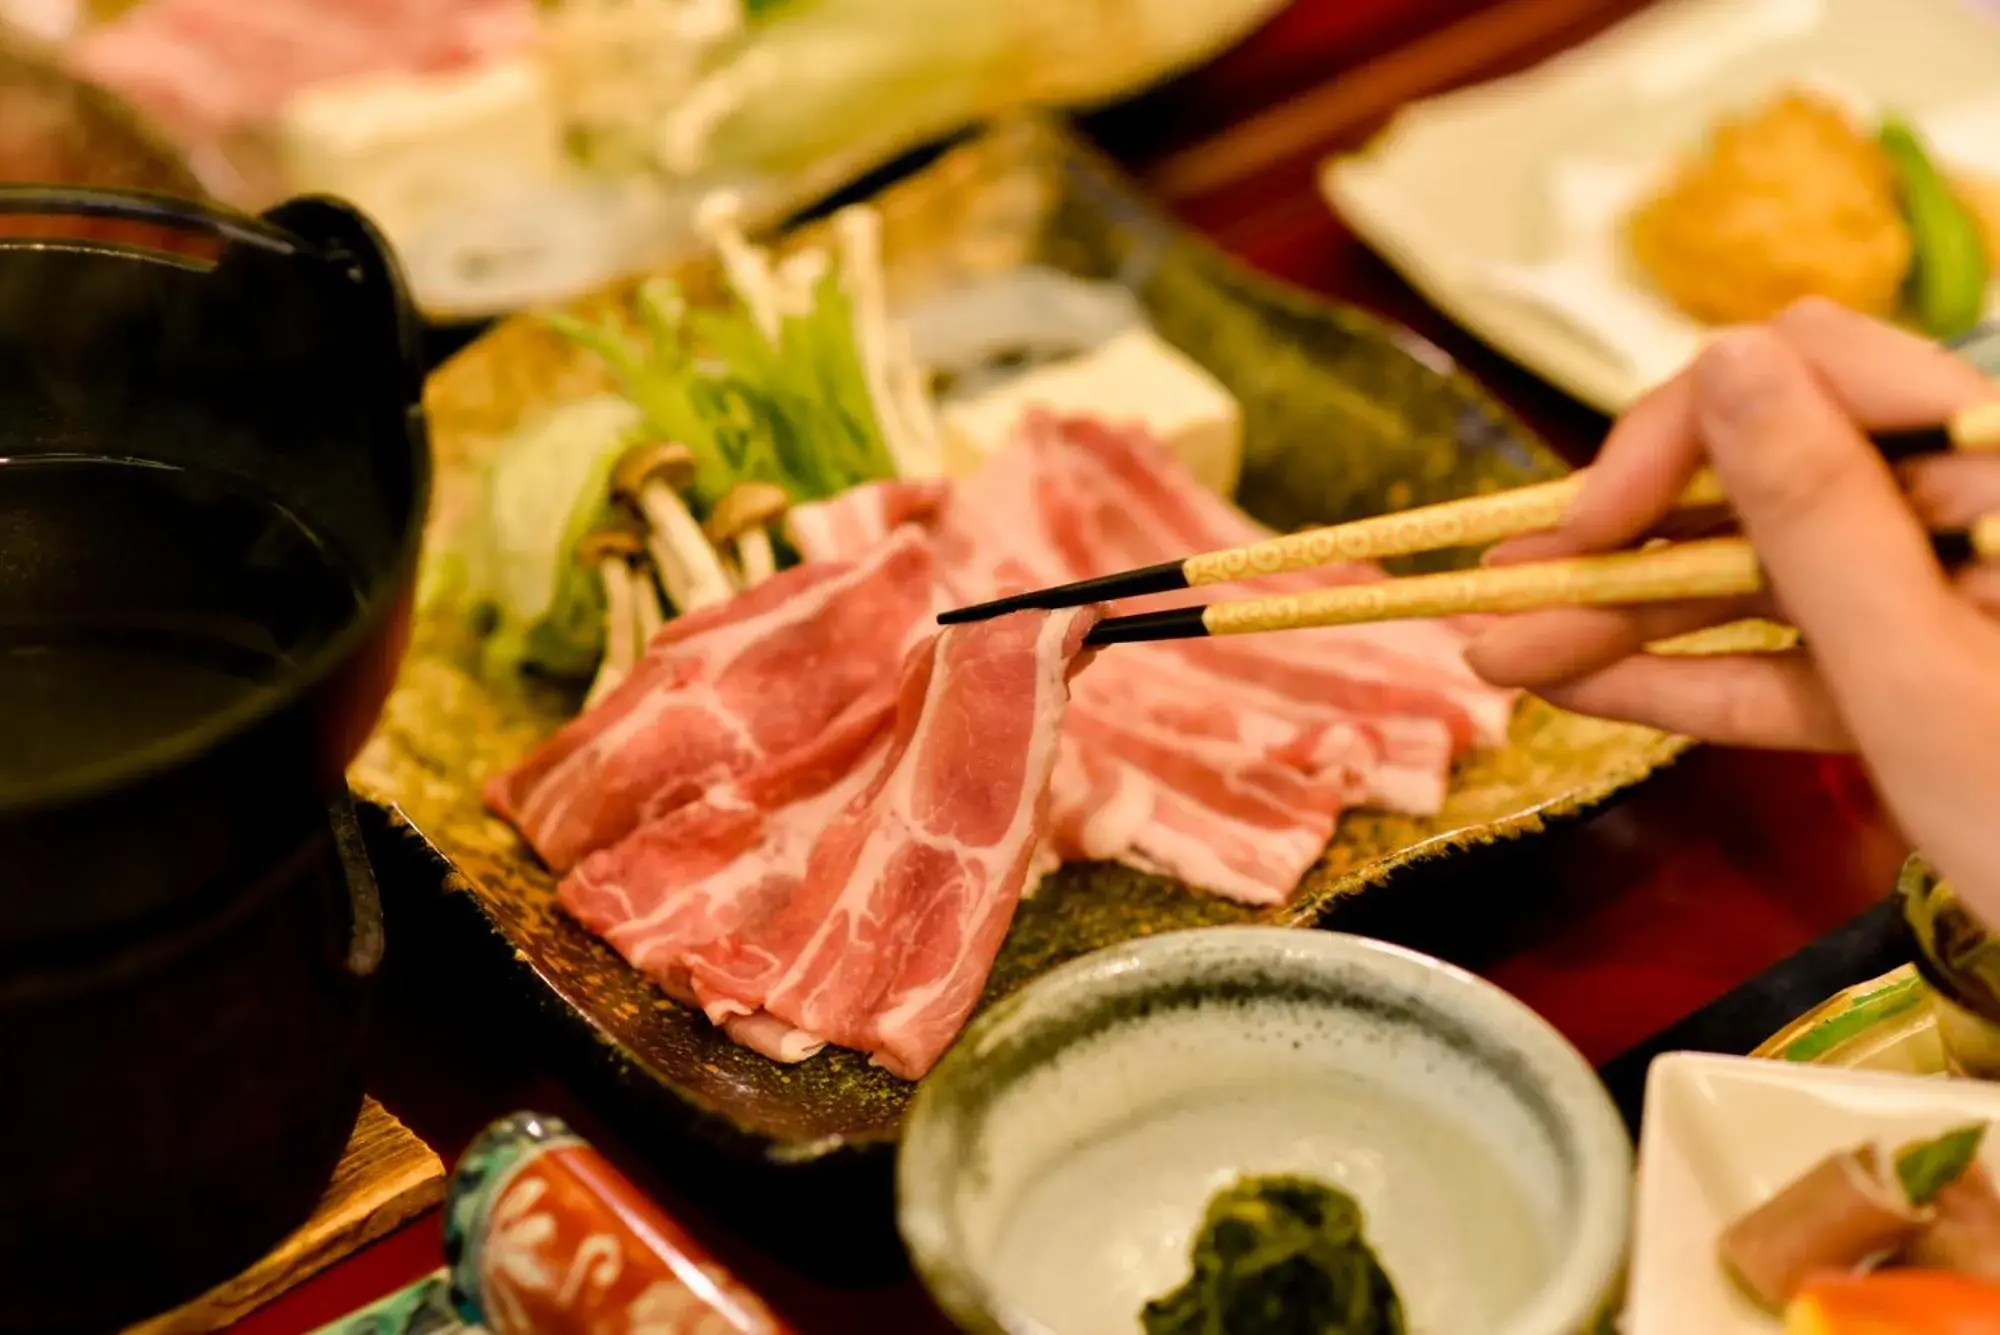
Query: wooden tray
<point x="386" y="1178"/>
<point x="1344" y="416"/>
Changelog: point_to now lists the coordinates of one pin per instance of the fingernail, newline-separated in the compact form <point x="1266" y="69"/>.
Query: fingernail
<point x="1738" y="375"/>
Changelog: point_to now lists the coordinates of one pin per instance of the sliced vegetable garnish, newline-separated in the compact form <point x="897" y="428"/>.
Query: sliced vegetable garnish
<point x="1926" y="1167"/>
<point x="1948" y="261"/>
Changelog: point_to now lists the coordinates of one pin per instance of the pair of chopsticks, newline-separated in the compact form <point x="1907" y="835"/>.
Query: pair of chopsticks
<point x="1711" y="568"/>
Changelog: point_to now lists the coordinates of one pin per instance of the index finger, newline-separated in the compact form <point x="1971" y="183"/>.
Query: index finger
<point x="1641" y="469"/>
<point x="1883" y="377"/>
<point x="1886" y="378"/>
<point x="1837" y="537"/>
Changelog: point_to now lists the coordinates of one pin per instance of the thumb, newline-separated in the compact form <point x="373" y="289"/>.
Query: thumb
<point x="1837" y="541"/>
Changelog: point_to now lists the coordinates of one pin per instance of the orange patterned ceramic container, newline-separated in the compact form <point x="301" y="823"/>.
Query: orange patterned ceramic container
<point x="544" y="1237"/>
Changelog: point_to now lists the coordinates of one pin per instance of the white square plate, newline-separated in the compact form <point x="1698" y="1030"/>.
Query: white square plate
<point x="1501" y="202"/>
<point x="1722" y="1134"/>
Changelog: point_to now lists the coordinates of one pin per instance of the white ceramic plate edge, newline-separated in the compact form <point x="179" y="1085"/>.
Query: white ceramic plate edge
<point x="1691" y="1184"/>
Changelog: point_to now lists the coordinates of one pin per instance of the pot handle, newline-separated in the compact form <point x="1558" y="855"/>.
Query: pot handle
<point x="364" y="898"/>
<point x="184" y="215"/>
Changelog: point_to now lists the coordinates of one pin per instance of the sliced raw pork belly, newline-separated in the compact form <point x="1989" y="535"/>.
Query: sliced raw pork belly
<point x="849" y="524"/>
<point x="213" y="67"/>
<point x="1220" y="815"/>
<point x="1173" y="757"/>
<point x="887" y="943"/>
<point x="733" y="857"/>
<point x="720" y="691"/>
<point x="1116" y="500"/>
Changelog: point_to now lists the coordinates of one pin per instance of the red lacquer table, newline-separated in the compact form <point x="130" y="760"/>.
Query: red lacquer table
<point x="1613" y="928"/>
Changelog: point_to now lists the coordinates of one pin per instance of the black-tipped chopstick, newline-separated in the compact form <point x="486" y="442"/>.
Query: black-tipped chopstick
<point x="1713" y="568"/>
<point x="1470" y="522"/>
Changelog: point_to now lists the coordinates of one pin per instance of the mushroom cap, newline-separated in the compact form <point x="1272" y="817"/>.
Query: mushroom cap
<point x="745" y="506"/>
<point x="668" y="461"/>
<point x="610" y="540"/>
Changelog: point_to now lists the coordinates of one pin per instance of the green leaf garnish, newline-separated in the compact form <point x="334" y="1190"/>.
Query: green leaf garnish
<point x="1926" y="1167"/>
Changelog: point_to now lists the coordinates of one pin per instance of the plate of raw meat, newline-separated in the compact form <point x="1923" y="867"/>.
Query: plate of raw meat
<point x="771" y="865"/>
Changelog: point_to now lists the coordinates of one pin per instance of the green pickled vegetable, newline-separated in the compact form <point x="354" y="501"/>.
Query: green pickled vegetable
<point x="1948" y="260"/>
<point x="1926" y="1167"/>
<point x="1280" y="1256"/>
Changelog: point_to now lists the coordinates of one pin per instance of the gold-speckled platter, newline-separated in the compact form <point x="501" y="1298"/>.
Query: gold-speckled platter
<point x="1344" y="417"/>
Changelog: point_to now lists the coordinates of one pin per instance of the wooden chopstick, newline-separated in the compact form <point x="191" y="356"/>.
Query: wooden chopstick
<point x="1712" y="568"/>
<point x="1474" y="521"/>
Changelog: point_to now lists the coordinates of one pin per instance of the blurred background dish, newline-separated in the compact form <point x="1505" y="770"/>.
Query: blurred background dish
<point x="56" y="128"/>
<point x="1959" y="958"/>
<point x="519" y="153"/>
<point x="1938" y="1014"/>
<point x="1723" y="1135"/>
<point x="1577" y="216"/>
<point x="1883" y="1024"/>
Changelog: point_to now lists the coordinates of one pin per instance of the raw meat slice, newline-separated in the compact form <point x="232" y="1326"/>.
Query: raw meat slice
<point x="719" y="691"/>
<point x="210" y="68"/>
<point x="907" y="896"/>
<point x="1097" y="805"/>
<point x="1375" y="713"/>
<point x="844" y="526"/>
<point x="731" y="858"/>
<point x="1223" y="817"/>
<point x="1121" y="503"/>
<point x="1074" y="499"/>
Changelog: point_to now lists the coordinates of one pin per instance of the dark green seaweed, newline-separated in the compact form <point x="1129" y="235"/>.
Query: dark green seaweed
<point x="1280" y="1256"/>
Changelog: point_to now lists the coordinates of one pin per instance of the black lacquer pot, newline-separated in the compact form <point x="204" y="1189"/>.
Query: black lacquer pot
<point x="213" y="479"/>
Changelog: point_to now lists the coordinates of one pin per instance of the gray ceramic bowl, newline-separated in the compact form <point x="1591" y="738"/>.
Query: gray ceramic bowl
<point x="1056" y="1164"/>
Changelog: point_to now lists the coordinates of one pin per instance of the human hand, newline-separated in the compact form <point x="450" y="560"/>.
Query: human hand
<point x="1898" y="662"/>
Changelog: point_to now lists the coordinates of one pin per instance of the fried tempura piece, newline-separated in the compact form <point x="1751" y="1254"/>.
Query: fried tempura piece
<point x="1790" y="201"/>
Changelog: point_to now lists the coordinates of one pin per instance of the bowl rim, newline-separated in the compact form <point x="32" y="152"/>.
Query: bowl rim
<point x="1581" y="1280"/>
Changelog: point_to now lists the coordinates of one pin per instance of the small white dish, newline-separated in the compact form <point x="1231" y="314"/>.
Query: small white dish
<point x="1502" y="202"/>
<point x="1723" y="1134"/>
<point x="1056" y="1165"/>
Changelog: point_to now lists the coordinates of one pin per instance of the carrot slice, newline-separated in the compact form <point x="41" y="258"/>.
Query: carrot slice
<point x="1896" y="1302"/>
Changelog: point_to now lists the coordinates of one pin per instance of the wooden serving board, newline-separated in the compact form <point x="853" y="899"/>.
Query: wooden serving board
<point x="386" y="1178"/>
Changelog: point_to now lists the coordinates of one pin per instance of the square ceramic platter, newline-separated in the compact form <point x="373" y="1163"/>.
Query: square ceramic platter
<point x="1723" y="1134"/>
<point x="1501" y="203"/>
<point x="1343" y="417"/>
